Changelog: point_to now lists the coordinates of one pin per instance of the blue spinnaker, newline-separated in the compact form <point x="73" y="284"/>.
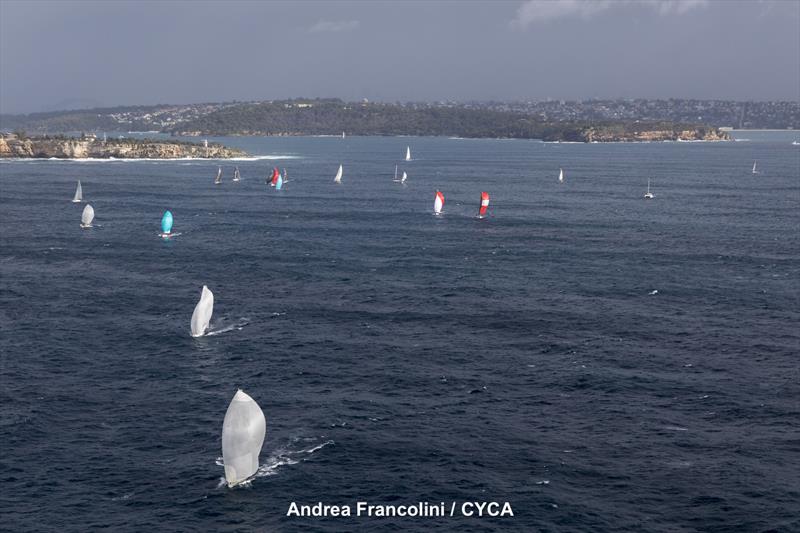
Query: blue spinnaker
<point x="279" y="183"/>
<point x="166" y="222"/>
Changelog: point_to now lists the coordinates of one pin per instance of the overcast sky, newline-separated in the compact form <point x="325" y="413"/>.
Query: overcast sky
<point x="66" y="54"/>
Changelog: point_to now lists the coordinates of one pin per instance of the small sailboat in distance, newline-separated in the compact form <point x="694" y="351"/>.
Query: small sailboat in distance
<point x="218" y="179"/>
<point x="243" y="431"/>
<point x="561" y="175"/>
<point x="275" y="175"/>
<point x="754" y="167"/>
<point x="166" y="225"/>
<point x="438" y="203"/>
<point x="78" y="194"/>
<point x="408" y="153"/>
<point x="648" y="195"/>
<point x="87" y="216"/>
<point x="202" y="313"/>
<point x="342" y="135"/>
<point x="338" y="178"/>
<point x="484" y="206"/>
<point x="236" y="175"/>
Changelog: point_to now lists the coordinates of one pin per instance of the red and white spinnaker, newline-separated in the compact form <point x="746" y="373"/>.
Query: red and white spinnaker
<point x="484" y="204"/>
<point x="275" y="175"/>
<point x="438" y="203"/>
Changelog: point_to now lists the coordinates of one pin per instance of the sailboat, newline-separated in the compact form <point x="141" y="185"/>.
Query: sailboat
<point x="754" y="167"/>
<point x="275" y="175"/>
<point x="561" y="175"/>
<point x="166" y="225"/>
<point x="236" y="175"/>
<point x="202" y="313"/>
<point x="218" y="179"/>
<point x="438" y="203"/>
<point x="87" y="216"/>
<point x="648" y="195"/>
<point x="338" y="178"/>
<point x="78" y="193"/>
<point x="243" y="431"/>
<point x="408" y="153"/>
<point x="484" y="205"/>
<point x="402" y="179"/>
<point x="342" y="135"/>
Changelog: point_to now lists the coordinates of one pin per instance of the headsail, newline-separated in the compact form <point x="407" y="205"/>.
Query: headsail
<point x="243" y="432"/>
<point x="202" y="313"/>
<point x="408" y="153"/>
<point x="404" y="178"/>
<point x="484" y="204"/>
<point x="218" y="179"/>
<point x="561" y="175"/>
<point x="236" y="175"/>
<point x="166" y="224"/>
<point x="87" y="216"/>
<point x="438" y="203"/>
<point x="78" y="193"/>
<point x="338" y="178"/>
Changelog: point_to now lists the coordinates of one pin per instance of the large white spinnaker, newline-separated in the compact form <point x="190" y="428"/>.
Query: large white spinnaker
<point x="438" y="203"/>
<point x="78" y="193"/>
<point x="243" y="433"/>
<point x="202" y="313"/>
<point x="338" y="178"/>
<point x="87" y="216"/>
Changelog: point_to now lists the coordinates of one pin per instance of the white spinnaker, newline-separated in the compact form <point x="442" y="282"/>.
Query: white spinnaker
<point x="87" y="216"/>
<point x="78" y="193"/>
<point x="438" y="203"/>
<point x="243" y="433"/>
<point x="338" y="178"/>
<point x="202" y="313"/>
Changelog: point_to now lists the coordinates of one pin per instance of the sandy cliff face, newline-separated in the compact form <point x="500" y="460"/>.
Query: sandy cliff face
<point x="614" y="135"/>
<point x="42" y="147"/>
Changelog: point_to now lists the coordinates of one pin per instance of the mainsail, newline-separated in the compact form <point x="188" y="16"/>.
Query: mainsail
<point x="561" y="175"/>
<point x="218" y="179"/>
<point x="754" y="167"/>
<point x="484" y="204"/>
<point x="243" y="432"/>
<point x="166" y="224"/>
<point x="438" y="203"/>
<point x="87" y="216"/>
<point x="408" y="153"/>
<point x="78" y="193"/>
<point x="338" y="178"/>
<point x="404" y="178"/>
<point x="202" y="313"/>
<point x="236" y="175"/>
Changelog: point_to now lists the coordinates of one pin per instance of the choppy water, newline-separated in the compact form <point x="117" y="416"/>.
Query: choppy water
<point x="401" y="357"/>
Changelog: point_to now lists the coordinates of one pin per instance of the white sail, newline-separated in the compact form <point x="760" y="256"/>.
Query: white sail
<point x="243" y="432"/>
<point x="561" y="175"/>
<point x="78" y="193"/>
<point x="408" y="153"/>
<point x="218" y="179"/>
<point x="438" y="203"/>
<point x="87" y="216"/>
<point x="754" y="167"/>
<point x="648" y="195"/>
<point x="202" y="313"/>
<point x="338" y="178"/>
<point x="404" y="178"/>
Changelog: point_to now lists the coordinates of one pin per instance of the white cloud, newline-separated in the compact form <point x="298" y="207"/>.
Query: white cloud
<point x="534" y="11"/>
<point x="334" y="25"/>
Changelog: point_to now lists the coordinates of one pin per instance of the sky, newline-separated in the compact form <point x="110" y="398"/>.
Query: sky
<point x="73" y="54"/>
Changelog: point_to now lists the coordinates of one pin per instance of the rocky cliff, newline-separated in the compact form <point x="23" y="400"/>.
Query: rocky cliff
<point x="618" y="133"/>
<point x="89" y="147"/>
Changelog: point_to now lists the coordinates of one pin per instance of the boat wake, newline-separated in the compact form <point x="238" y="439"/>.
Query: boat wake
<point x="297" y="450"/>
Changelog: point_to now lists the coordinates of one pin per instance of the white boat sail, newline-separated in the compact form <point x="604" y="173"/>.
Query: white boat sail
<point x="236" y="175"/>
<point x="404" y="177"/>
<point x="648" y="195"/>
<point x="438" y="203"/>
<point x="78" y="193"/>
<point x="202" y="313"/>
<point x="561" y="175"/>
<point x="408" y="153"/>
<point x="218" y="179"/>
<point x="338" y="178"/>
<point x="243" y="432"/>
<point x="754" y="167"/>
<point x="87" y="216"/>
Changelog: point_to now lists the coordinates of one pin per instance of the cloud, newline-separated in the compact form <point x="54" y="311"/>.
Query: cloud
<point x="334" y="25"/>
<point x="534" y="11"/>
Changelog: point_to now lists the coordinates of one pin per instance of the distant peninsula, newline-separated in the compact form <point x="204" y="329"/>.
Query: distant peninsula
<point x="88" y="146"/>
<point x="594" y="121"/>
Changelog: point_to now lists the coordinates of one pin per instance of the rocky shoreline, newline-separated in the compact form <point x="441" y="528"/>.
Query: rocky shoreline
<point x="88" y="146"/>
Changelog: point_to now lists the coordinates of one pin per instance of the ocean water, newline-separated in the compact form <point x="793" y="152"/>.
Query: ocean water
<point x="401" y="357"/>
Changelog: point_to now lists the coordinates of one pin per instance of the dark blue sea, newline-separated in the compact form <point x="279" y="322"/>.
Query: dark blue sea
<point x="401" y="357"/>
